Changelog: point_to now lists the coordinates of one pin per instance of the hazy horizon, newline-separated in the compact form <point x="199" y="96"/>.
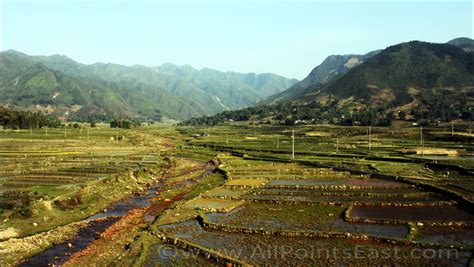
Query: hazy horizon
<point x="283" y="38"/>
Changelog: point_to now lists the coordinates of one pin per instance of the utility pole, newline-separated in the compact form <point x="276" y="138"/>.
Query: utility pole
<point x="337" y="145"/>
<point x="293" y="144"/>
<point x="452" y="128"/>
<point x="421" y="135"/>
<point x="370" y="138"/>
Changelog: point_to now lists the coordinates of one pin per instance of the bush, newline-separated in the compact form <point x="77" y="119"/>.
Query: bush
<point x="70" y="203"/>
<point x="125" y="124"/>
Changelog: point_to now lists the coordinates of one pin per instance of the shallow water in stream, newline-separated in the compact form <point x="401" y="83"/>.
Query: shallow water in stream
<point x="60" y="253"/>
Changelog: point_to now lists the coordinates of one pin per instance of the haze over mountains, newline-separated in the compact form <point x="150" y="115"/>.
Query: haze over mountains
<point x="70" y="90"/>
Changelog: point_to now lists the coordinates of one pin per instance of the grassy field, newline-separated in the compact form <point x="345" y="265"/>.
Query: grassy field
<point x="245" y="181"/>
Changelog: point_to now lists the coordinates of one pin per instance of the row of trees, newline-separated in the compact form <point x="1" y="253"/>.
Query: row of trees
<point x="124" y="123"/>
<point x="291" y="114"/>
<point x="314" y="113"/>
<point x="13" y="119"/>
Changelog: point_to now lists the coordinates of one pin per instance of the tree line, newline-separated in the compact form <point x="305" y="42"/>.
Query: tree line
<point x="433" y="109"/>
<point x="124" y="123"/>
<point x="13" y="119"/>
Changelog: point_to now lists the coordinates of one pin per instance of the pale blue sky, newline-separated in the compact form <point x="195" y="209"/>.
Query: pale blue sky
<point x="283" y="37"/>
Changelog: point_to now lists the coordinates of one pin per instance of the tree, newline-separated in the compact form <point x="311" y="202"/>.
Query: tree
<point x="121" y="123"/>
<point x="25" y="120"/>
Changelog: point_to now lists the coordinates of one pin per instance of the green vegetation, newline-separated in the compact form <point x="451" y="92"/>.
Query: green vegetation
<point x="259" y="194"/>
<point x="339" y="165"/>
<point x="125" y="124"/>
<point x="67" y="177"/>
<point x="25" y="120"/>
<point x="332" y="67"/>
<point x="99" y="92"/>
<point x="399" y="67"/>
<point x="415" y="81"/>
<point x="292" y="114"/>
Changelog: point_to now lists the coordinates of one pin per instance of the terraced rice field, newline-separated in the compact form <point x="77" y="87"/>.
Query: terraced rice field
<point x="30" y="162"/>
<point x="238" y="196"/>
<point x="416" y="214"/>
<point x="301" y="201"/>
<point x="259" y="249"/>
<point x="53" y="175"/>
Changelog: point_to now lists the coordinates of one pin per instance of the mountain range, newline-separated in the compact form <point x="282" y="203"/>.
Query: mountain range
<point x="430" y="81"/>
<point x="332" y="67"/>
<point x="385" y="74"/>
<point x="415" y="77"/>
<point x="62" y="87"/>
<point x="398" y="75"/>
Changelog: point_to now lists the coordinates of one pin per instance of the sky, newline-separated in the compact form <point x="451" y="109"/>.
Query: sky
<point x="288" y="38"/>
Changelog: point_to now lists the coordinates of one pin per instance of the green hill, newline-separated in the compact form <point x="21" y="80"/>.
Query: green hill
<point x="399" y="73"/>
<point x="332" y="67"/>
<point x="465" y="43"/>
<point x="213" y="90"/>
<point x="396" y="76"/>
<point x="414" y="80"/>
<point x="65" y="88"/>
<point x="30" y="85"/>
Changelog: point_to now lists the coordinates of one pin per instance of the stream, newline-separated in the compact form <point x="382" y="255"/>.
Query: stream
<point x="99" y="222"/>
<point x="60" y="253"/>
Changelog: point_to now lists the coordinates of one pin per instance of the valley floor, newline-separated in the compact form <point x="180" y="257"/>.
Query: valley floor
<point x="236" y="194"/>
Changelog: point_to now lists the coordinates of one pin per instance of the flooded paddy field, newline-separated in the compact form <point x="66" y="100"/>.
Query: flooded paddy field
<point x="422" y="214"/>
<point x="301" y="217"/>
<point x="335" y="182"/>
<point x="446" y="235"/>
<point x="259" y="249"/>
<point x="291" y="197"/>
<point x="234" y="197"/>
<point x="397" y="191"/>
<point x="377" y="199"/>
<point x="279" y="216"/>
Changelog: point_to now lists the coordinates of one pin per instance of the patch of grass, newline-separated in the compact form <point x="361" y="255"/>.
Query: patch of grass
<point x="281" y="216"/>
